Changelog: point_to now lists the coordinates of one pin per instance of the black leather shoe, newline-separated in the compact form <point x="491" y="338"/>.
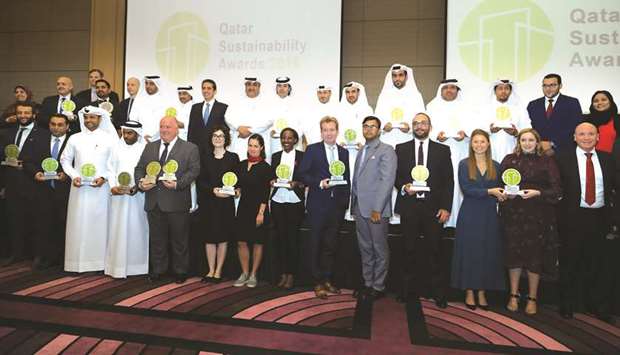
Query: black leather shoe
<point x="154" y="278"/>
<point x="206" y="279"/>
<point x="179" y="279"/>
<point x="441" y="302"/>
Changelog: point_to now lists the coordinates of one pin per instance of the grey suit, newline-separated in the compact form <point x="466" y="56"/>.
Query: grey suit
<point x="167" y="209"/>
<point x="372" y="191"/>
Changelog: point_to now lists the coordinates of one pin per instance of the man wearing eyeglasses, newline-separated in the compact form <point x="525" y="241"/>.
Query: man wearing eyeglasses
<point x="555" y="115"/>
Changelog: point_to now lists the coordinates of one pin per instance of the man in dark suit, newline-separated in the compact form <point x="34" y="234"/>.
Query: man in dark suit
<point x="20" y="188"/>
<point x="555" y="116"/>
<point x="53" y="104"/>
<point x="326" y="204"/>
<point x="585" y="220"/>
<point x="423" y="209"/>
<point x="121" y="113"/>
<point x="205" y="115"/>
<point x="104" y="94"/>
<point x="167" y="203"/>
<point x="51" y="196"/>
<point x="90" y="94"/>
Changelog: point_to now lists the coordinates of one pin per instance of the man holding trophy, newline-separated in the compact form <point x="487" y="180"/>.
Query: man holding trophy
<point x="325" y="170"/>
<point x="424" y="178"/>
<point x="168" y="198"/>
<point x="84" y="160"/>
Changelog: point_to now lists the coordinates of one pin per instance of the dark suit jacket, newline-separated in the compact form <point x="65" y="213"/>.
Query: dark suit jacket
<point x="18" y="183"/>
<point x="197" y="132"/>
<point x="41" y="151"/>
<point x="49" y="106"/>
<point x="558" y="128"/>
<point x="119" y="115"/>
<point x="571" y="186"/>
<point x="440" y="180"/>
<point x="314" y="168"/>
<point x="275" y="161"/>
<point x="84" y="97"/>
<point x="178" y="200"/>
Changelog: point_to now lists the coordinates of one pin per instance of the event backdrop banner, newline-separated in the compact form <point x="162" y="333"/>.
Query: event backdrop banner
<point x="523" y="40"/>
<point x="186" y="41"/>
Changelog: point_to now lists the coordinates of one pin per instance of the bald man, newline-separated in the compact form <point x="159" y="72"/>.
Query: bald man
<point x="168" y="201"/>
<point x="121" y="112"/>
<point x="585" y="220"/>
<point x="54" y="104"/>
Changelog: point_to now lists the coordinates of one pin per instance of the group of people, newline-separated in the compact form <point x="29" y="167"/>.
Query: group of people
<point x="513" y="180"/>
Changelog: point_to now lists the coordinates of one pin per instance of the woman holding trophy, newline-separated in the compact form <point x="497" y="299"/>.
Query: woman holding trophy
<point x="287" y="205"/>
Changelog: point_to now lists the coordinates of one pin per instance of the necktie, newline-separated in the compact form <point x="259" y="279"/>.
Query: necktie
<point x="62" y="101"/>
<point x="364" y="154"/>
<point x="18" y="141"/>
<point x="590" y="184"/>
<point x="205" y="117"/>
<point x="333" y="155"/>
<point x="55" y="149"/>
<point x="421" y="154"/>
<point x="164" y="154"/>
<point x="129" y="107"/>
<point x="549" y="108"/>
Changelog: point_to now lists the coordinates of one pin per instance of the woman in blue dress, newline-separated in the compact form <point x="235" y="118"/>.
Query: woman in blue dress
<point x="477" y="262"/>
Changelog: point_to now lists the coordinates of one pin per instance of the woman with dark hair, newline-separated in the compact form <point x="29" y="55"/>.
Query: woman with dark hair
<point x="528" y="216"/>
<point x="22" y="94"/>
<point x="287" y="206"/>
<point x="254" y="175"/>
<point x="477" y="262"/>
<point x="604" y="115"/>
<point x="217" y="210"/>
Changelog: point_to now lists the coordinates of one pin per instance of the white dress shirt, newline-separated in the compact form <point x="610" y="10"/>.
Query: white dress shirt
<point x="61" y="140"/>
<point x="284" y="195"/>
<point x="162" y="147"/>
<point x="25" y="133"/>
<point x="599" y="191"/>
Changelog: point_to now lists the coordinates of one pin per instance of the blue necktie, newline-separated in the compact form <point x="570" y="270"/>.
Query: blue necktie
<point x="205" y="117"/>
<point x="62" y="101"/>
<point x="55" y="149"/>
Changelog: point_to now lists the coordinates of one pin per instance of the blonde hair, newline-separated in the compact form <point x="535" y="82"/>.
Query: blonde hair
<point x="328" y="119"/>
<point x="472" y="168"/>
<point x="519" y="150"/>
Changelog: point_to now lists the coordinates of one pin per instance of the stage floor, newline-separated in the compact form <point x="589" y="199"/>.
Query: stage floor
<point x="53" y="312"/>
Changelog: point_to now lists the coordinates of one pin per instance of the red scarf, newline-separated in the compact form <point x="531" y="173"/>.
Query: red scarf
<point x="255" y="159"/>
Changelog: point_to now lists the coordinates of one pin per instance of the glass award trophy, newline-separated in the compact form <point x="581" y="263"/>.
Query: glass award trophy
<point x="283" y="172"/>
<point x="87" y="174"/>
<point x="337" y="169"/>
<point x="124" y="182"/>
<point x="453" y="128"/>
<point x="107" y="105"/>
<point x="420" y="174"/>
<point x="171" y="111"/>
<point x="11" y="152"/>
<point x="170" y="168"/>
<point x="350" y="136"/>
<point x="279" y="125"/>
<point x="67" y="108"/>
<point x="49" y="166"/>
<point x="512" y="178"/>
<point x="398" y="117"/>
<point x="152" y="170"/>
<point x="503" y="118"/>
<point x="229" y="180"/>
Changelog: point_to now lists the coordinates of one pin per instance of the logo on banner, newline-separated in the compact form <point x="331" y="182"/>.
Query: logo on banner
<point x="510" y="38"/>
<point x="182" y="47"/>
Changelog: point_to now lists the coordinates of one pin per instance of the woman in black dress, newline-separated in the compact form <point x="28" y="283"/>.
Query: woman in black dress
<point x="287" y="207"/>
<point x="251" y="222"/>
<point x="217" y="210"/>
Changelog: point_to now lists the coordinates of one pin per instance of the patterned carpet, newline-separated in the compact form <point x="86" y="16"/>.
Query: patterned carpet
<point x="53" y="312"/>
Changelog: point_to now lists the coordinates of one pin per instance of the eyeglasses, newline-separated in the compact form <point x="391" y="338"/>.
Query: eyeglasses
<point x="422" y="124"/>
<point x="546" y="86"/>
<point x="369" y="126"/>
<point x="218" y="136"/>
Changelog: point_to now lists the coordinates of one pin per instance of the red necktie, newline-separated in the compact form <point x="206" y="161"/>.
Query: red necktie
<point x="590" y="185"/>
<point x="549" y="109"/>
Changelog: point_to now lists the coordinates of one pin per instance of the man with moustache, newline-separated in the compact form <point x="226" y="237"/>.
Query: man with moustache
<point x="205" y="115"/>
<point x="20" y="189"/>
<point x="90" y="94"/>
<point x="423" y="211"/>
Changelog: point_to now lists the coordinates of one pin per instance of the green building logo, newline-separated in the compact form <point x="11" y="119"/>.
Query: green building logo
<point x="505" y="39"/>
<point x="182" y="47"/>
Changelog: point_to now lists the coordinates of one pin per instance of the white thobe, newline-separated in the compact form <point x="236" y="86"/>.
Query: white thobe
<point x="249" y="112"/>
<point x="183" y="111"/>
<point x="87" y="212"/>
<point x="351" y="117"/>
<point x="503" y="143"/>
<point x="128" y="230"/>
<point x="149" y="110"/>
<point x="283" y="109"/>
<point x="312" y="120"/>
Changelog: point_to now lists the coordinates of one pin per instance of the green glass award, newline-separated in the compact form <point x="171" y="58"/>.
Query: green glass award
<point x="283" y="172"/>
<point x="337" y="169"/>
<point x="229" y="180"/>
<point x="107" y="105"/>
<point x="420" y="174"/>
<point x="512" y="178"/>
<point x="11" y="153"/>
<point x="350" y="136"/>
<point x="280" y="124"/>
<point x="49" y="166"/>
<point x="170" y="168"/>
<point x="87" y="172"/>
<point x="152" y="170"/>
<point x="124" y="182"/>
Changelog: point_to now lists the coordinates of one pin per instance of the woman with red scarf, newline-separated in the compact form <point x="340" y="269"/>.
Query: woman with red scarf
<point x="251" y="225"/>
<point x="604" y="115"/>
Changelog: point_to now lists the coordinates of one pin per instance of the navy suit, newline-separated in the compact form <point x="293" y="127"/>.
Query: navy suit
<point x="558" y="128"/>
<point x="325" y="208"/>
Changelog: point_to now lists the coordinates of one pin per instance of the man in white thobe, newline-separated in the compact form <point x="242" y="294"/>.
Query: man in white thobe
<point x="128" y="230"/>
<point x="503" y="116"/>
<point x="150" y="106"/>
<point x="250" y="115"/>
<point x="324" y="106"/>
<point x="87" y="213"/>
<point x="352" y="110"/>
<point x="452" y="124"/>
<point x="184" y="107"/>
<point x="399" y="101"/>
<point x="283" y="114"/>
